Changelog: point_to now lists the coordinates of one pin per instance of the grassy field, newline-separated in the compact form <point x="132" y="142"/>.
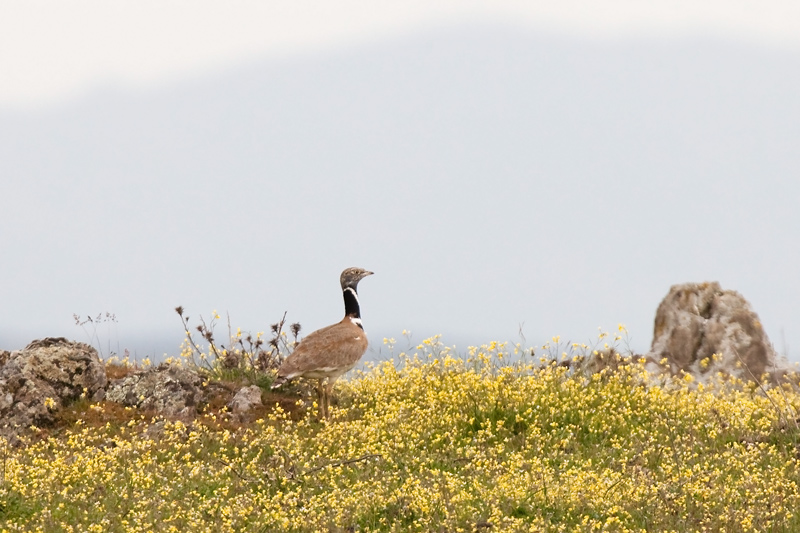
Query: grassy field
<point x="429" y="442"/>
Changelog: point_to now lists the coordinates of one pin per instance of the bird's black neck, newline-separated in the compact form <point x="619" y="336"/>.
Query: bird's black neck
<point x="351" y="307"/>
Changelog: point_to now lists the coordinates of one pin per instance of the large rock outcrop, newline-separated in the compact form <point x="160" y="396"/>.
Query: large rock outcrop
<point x="702" y="329"/>
<point x="46" y="375"/>
<point x="166" y="389"/>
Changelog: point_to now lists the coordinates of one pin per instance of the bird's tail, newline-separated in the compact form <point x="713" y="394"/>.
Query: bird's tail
<point x="280" y="380"/>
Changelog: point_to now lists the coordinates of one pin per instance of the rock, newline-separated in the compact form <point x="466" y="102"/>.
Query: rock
<point x="702" y="329"/>
<point x="71" y="368"/>
<point x="246" y="399"/>
<point x="167" y="389"/>
<point x="46" y="375"/>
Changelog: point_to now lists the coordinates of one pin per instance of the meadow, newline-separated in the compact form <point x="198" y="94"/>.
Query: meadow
<point x="499" y="438"/>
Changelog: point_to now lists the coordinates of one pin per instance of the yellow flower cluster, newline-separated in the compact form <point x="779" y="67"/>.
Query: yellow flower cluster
<point x="437" y="442"/>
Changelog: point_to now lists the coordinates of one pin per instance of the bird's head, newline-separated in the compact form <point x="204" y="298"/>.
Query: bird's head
<point x="351" y="276"/>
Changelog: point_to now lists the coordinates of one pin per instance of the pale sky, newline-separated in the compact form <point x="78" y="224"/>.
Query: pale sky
<point x="53" y="50"/>
<point x="549" y="167"/>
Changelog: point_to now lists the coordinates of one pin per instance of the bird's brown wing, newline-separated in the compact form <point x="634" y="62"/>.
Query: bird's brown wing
<point x="338" y="346"/>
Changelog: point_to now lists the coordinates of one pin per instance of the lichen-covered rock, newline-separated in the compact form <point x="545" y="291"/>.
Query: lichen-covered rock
<point x="46" y="375"/>
<point x="702" y="329"/>
<point x="167" y="389"/>
<point x="246" y="399"/>
<point x="71" y="368"/>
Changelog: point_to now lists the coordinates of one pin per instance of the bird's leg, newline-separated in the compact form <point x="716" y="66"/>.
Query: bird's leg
<point x="323" y="411"/>
<point x="328" y="391"/>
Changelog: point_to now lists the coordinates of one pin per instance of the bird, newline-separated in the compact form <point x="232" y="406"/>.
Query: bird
<point x="329" y="352"/>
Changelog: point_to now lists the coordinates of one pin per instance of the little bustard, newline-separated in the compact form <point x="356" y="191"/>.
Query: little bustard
<point x="329" y="352"/>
